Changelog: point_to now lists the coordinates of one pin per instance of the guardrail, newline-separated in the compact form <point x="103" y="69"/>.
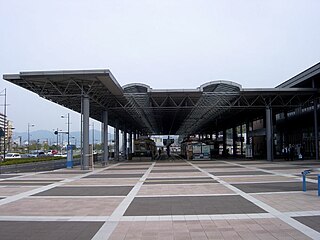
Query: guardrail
<point x="304" y="182"/>
<point x="37" y="166"/>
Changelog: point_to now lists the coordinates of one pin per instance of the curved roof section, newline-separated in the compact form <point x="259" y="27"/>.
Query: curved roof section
<point x="220" y="86"/>
<point x="136" y="88"/>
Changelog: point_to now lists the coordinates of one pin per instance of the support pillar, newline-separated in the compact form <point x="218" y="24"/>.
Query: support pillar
<point x="224" y="142"/>
<point x="269" y="133"/>
<point x="135" y="135"/>
<point x="130" y="144"/>
<point x="105" y="138"/>
<point x="249" y="140"/>
<point x="85" y="127"/>
<point x="124" y="143"/>
<point x="247" y="133"/>
<point x="116" y="143"/>
<point x="315" y="117"/>
<point x="234" y="140"/>
<point x="241" y="140"/>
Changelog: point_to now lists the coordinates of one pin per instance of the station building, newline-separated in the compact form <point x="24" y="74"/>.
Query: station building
<point x="259" y="122"/>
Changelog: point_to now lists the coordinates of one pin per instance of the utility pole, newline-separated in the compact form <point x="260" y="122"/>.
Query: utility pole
<point x="29" y="125"/>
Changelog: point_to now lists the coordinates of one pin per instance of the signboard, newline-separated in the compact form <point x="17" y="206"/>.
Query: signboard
<point x="69" y="156"/>
<point x="206" y="150"/>
<point x="249" y="151"/>
<point x="167" y="142"/>
<point x="197" y="148"/>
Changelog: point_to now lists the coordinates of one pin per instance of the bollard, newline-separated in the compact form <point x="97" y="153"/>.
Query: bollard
<point x="318" y="185"/>
<point x="304" y="184"/>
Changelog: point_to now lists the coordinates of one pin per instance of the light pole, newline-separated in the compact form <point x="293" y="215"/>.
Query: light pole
<point x="57" y="133"/>
<point x="68" y="132"/>
<point x="29" y="125"/>
<point x="92" y="137"/>
<point x="20" y="140"/>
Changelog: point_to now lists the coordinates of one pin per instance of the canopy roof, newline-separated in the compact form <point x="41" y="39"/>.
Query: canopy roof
<point x="137" y="106"/>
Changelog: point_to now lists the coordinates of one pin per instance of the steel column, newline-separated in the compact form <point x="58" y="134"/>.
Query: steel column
<point x="124" y="143"/>
<point x="116" y="144"/>
<point x="234" y="140"/>
<point x="269" y="133"/>
<point x="105" y="138"/>
<point x="224" y="142"/>
<point x="315" y="117"/>
<point x="247" y="132"/>
<point x="85" y="128"/>
<point x="130" y="143"/>
<point x="241" y="139"/>
<point x="135" y="135"/>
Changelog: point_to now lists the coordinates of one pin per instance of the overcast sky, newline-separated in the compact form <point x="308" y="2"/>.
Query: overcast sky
<point x="165" y="44"/>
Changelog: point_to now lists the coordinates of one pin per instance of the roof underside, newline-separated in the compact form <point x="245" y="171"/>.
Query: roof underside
<point x="138" y="107"/>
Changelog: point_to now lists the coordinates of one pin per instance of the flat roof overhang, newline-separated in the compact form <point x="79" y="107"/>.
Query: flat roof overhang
<point x="304" y="79"/>
<point x="66" y="88"/>
<point x="160" y="111"/>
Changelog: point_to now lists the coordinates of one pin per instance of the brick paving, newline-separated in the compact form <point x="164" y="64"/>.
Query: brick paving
<point x="163" y="200"/>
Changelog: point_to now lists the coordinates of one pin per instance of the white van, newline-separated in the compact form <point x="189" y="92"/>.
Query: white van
<point x="13" y="155"/>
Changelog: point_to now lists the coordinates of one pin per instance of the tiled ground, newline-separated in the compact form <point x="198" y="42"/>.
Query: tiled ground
<point x="163" y="200"/>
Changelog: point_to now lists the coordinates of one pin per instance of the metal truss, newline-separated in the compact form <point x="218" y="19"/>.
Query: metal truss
<point x="158" y="112"/>
<point x="138" y="107"/>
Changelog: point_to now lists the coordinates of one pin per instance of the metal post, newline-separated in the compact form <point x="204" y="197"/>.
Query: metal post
<point x="234" y="140"/>
<point x="318" y="185"/>
<point x="105" y="138"/>
<point x="85" y="127"/>
<point x="68" y="129"/>
<point x="269" y="133"/>
<point x="241" y="139"/>
<point x="116" y="147"/>
<point x="6" y="132"/>
<point x="29" y="137"/>
<point x="92" y="137"/>
<point x="130" y="143"/>
<point x="224" y="142"/>
<point x="124" y="143"/>
<point x="57" y="139"/>
<point x="304" y="183"/>
<point x="315" y="116"/>
<point x="29" y="125"/>
<point x="135" y="135"/>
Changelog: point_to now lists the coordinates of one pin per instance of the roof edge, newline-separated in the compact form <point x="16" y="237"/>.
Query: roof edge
<point x="302" y="76"/>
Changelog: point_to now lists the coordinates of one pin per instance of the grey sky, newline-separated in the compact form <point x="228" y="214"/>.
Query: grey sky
<point x="165" y="44"/>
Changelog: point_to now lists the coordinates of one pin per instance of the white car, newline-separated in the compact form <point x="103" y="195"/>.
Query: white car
<point x="60" y="155"/>
<point x="13" y="155"/>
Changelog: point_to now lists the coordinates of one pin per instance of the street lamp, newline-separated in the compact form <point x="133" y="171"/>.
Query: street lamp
<point x="68" y="132"/>
<point x="29" y="125"/>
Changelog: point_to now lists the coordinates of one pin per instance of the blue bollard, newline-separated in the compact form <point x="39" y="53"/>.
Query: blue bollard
<point x="318" y="185"/>
<point x="69" y="157"/>
<point x="304" y="182"/>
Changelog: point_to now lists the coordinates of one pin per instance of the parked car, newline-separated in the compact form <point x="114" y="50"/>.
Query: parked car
<point x="52" y="152"/>
<point x="13" y="155"/>
<point x="60" y="155"/>
<point x="36" y="153"/>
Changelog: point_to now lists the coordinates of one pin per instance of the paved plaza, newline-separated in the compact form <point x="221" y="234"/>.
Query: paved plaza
<point x="235" y="199"/>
